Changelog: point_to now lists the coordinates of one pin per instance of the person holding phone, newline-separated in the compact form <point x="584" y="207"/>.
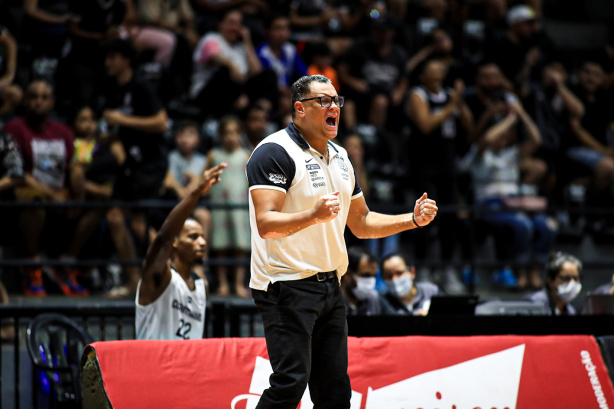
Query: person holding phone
<point x="227" y="74"/>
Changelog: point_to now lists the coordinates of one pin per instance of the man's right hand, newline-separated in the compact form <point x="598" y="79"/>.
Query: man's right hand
<point x="210" y="177"/>
<point x="327" y="208"/>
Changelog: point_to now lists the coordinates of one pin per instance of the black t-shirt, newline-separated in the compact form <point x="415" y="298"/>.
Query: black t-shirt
<point x="97" y="16"/>
<point x="548" y="111"/>
<point x="104" y="166"/>
<point x="598" y="114"/>
<point x="139" y="99"/>
<point x="437" y="149"/>
<point x="380" y="72"/>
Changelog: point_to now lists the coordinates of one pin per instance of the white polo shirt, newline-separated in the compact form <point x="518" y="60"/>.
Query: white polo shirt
<point x="284" y="161"/>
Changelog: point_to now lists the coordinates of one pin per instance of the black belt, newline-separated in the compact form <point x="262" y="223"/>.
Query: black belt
<point x="327" y="275"/>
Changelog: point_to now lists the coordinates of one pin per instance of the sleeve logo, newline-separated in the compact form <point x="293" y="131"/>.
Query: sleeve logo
<point x="277" y="178"/>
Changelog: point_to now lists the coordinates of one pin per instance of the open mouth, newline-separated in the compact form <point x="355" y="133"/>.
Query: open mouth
<point x="331" y="121"/>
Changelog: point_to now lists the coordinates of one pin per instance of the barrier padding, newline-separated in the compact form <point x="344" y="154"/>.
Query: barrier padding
<point x="415" y="372"/>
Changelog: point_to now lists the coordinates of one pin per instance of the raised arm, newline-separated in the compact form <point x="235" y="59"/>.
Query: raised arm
<point x="156" y="272"/>
<point x="366" y="224"/>
<point x="427" y="121"/>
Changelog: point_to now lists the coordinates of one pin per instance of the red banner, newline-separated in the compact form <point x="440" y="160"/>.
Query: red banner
<point x="496" y="372"/>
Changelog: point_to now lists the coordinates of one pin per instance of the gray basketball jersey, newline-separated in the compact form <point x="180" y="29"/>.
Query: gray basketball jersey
<point x="177" y="314"/>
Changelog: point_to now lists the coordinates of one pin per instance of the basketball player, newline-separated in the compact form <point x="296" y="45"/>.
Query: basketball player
<point x="170" y="297"/>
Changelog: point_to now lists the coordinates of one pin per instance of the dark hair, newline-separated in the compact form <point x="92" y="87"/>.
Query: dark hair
<point x="555" y="263"/>
<point x="226" y="12"/>
<point x="320" y="49"/>
<point x="122" y="47"/>
<point x="75" y="111"/>
<point x="387" y="257"/>
<point x="182" y="125"/>
<point x="302" y="87"/>
<point x="226" y="120"/>
<point x="355" y="254"/>
<point x="272" y="18"/>
<point x="254" y="108"/>
<point x="42" y="80"/>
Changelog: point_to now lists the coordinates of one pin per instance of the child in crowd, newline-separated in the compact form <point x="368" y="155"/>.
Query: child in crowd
<point x="231" y="225"/>
<point x="96" y="162"/>
<point x="185" y="165"/>
<point x="322" y="63"/>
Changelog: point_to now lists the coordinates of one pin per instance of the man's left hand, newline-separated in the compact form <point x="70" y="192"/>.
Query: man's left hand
<point x="425" y="210"/>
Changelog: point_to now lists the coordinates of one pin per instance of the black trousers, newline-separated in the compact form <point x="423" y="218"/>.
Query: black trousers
<point x="306" y="334"/>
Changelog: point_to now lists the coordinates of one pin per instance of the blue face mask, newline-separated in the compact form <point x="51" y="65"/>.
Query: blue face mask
<point x="401" y="286"/>
<point x="364" y="287"/>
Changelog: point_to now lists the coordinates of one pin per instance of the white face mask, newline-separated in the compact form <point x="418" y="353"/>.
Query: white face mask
<point x="401" y="286"/>
<point x="569" y="290"/>
<point x="364" y="287"/>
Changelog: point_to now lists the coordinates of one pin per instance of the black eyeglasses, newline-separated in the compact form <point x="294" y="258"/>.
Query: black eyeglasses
<point x="326" y="101"/>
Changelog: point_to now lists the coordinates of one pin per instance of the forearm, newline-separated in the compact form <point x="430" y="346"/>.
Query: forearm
<point x="430" y="122"/>
<point x="253" y="62"/>
<point x="35" y="184"/>
<point x="586" y="138"/>
<point x="466" y="119"/>
<point x="95" y="189"/>
<point x="493" y="133"/>
<point x="11" y="60"/>
<point x="531" y="127"/>
<point x="276" y="225"/>
<point x="156" y="123"/>
<point x="573" y="104"/>
<point x="177" y="217"/>
<point x="305" y="22"/>
<point x="74" y="29"/>
<point x="8" y="182"/>
<point x="418" y="58"/>
<point x="376" y="225"/>
<point x="45" y="17"/>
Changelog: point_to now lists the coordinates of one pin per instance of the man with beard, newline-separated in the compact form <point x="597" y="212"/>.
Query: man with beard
<point x="47" y="147"/>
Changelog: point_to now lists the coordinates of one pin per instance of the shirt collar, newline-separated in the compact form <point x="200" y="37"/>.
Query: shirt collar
<point x="296" y="136"/>
<point x="300" y="141"/>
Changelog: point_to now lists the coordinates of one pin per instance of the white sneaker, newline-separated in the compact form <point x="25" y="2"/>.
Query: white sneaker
<point x="451" y="283"/>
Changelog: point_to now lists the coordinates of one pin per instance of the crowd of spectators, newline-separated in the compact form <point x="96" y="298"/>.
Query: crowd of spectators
<point x="124" y="100"/>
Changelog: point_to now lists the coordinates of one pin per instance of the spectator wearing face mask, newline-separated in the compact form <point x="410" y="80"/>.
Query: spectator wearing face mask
<point x="358" y="285"/>
<point x="562" y="284"/>
<point x="405" y="295"/>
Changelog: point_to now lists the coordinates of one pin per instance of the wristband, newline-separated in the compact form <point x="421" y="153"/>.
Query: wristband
<point x="413" y="218"/>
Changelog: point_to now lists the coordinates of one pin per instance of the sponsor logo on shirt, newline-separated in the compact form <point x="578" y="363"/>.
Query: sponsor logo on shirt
<point x="277" y="178"/>
<point x="341" y="163"/>
<point x="313" y="167"/>
<point x="184" y="309"/>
